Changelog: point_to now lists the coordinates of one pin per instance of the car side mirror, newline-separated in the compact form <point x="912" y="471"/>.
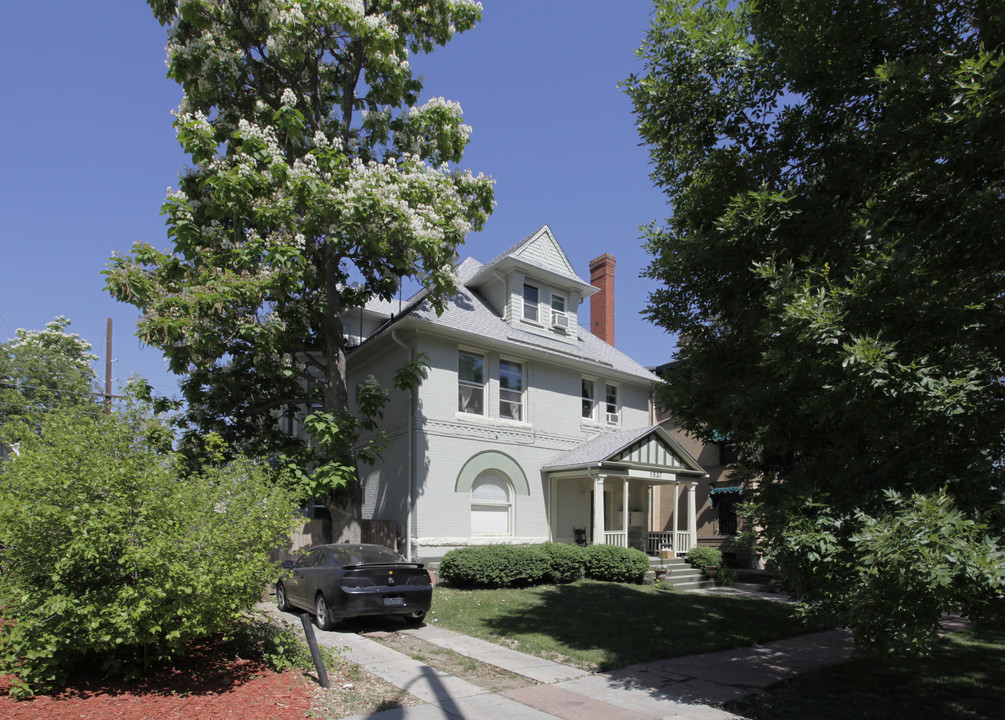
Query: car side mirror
<point x="287" y="564"/>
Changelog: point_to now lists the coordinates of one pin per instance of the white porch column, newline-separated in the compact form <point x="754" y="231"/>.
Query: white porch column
<point x="674" y="523"/>
<point x="552" y="510"/>
<point x="598" y="511"/>
<point x="692" y="520"/>
<point x="624" y="510"/>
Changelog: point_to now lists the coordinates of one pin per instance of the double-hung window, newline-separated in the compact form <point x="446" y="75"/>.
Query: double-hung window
<point x="470" y="383"/>
<point x="558" y="317"/>
<point x="510" y="390"/>
<point x="611" y="404"/>
<point x="530" y="303"/>
<point x="589" y="399"/>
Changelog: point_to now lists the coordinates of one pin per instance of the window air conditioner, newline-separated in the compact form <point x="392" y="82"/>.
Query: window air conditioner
<point x="559" y="320"/>
<point x="613" y="418"/>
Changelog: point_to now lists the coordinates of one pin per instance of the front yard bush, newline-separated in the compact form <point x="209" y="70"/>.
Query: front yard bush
<point x="615" y="564"/>
<point x="113" y="559"/>
<point x="565" y="562"/>
<point x="725" y="576"/>
<point x="495" y="566"/>
<point x="703" y="556"/>
<point x="511" y="566"/>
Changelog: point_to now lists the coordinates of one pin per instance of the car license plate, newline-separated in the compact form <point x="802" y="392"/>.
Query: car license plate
<point x="394" y="601"/>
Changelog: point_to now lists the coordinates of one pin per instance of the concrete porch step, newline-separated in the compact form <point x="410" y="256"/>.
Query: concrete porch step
<point x="681" y="575"/>
<point x="693" y="584"/>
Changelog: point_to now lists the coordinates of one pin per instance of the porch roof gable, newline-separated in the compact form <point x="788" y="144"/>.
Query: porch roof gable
<point x="642" y="447"/>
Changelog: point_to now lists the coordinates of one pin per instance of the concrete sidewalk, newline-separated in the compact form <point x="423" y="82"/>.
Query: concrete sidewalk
<point x="677" y="688"/>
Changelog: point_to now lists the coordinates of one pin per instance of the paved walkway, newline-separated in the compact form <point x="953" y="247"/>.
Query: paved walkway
<point x="677" y="688"/>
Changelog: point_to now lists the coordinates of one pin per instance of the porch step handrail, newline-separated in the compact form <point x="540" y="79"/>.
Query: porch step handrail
<point x="683" y="543"/>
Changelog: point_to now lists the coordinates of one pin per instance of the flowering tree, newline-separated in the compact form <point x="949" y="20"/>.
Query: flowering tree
<point x="41" y="370"/>
<point x="318" y="182"/>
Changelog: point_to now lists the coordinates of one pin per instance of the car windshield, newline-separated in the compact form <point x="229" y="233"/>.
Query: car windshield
<point x="346" y="554"/>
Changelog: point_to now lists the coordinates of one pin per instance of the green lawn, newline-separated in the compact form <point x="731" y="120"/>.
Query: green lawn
<point x="962" y="679"/>
<point x="600" y="626"/>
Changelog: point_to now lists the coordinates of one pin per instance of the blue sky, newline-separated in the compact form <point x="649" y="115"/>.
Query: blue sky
<point x="89" y="151"/>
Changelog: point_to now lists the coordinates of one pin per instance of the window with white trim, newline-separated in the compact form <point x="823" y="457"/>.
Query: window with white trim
<point x="470" y="383"/>
<point x="530" y="303"/>
<point x="559" y="319"/>
<point x="589" y="399"/>
<point x="491" y="504"/>
<point x="611" y="404"/>
<point x="510" y="389"/>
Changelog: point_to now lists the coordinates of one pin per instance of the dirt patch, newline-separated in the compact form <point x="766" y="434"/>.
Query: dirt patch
<point x="473" y="671"/>
<point x="354" y="691"/>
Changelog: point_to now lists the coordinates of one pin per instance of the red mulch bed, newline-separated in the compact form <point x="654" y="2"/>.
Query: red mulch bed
<point x="208" y="684"/>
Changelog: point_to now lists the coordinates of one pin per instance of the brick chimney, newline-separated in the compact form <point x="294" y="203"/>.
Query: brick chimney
<point x="602" y="303"/>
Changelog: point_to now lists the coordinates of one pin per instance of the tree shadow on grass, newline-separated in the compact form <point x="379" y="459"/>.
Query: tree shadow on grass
<point x="625" y="624"/>
<point x="961" y="679"/>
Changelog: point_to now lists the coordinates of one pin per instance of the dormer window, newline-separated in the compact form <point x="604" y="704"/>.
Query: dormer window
<point x="530" y="303"/>
<point x="559" y="319"/>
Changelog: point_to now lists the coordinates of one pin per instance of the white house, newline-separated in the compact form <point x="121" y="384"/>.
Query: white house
<point x="528" y="427"/>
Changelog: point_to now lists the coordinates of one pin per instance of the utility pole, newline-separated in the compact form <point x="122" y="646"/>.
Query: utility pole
<point x="108" y="367"/>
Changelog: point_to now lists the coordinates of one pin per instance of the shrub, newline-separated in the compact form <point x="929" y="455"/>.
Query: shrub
<point x="703" y="556"/>
<point x="495" y="566"/>
<point x="115" y="560"/>
<point x="725" y="576"/>
<point x="565" y="562"/>
<point x="615" y="564"/>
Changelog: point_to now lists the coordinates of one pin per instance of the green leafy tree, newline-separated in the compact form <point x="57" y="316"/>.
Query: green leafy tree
<point x="318" y="182"/>
<point x="834" y="268"/>
<point x="39" y="372"/>
<point x="113" y="560"/>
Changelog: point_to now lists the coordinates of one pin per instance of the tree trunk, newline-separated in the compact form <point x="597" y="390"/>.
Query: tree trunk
<point x="336" y="396"/>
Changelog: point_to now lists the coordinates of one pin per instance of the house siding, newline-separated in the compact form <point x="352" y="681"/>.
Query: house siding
<point x="486" y="318"/>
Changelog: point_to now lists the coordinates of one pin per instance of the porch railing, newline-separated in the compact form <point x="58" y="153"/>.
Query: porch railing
<point x="683" y="543"/>
<point x="657" y="540"/>
<point x="616" y="538"/>
<point x="680" y="544"/>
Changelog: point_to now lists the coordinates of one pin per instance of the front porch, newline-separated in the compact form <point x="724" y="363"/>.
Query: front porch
<point x="605" y="496"/>
<point x="617" y="511"/>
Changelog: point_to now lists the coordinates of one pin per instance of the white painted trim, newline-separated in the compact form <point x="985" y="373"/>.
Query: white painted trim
<point x="475" y="541"/>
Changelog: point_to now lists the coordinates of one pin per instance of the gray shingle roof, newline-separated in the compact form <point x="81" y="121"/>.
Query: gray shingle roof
<point x="466" y="312"/>
<point x="597" y="449"/>
<point x="562" y="268"/>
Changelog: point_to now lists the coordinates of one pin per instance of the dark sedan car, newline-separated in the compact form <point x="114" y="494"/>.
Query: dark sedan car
<point x="334" y="582"/>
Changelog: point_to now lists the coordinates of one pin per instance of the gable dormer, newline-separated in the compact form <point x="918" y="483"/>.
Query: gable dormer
<point x="534" y="288"/>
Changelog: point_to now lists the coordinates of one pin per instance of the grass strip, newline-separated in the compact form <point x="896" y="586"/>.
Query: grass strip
<point x="602" y="626"/>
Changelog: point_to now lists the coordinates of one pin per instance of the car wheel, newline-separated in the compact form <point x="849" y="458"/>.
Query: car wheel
<point x="322" y="615"/>
<point x="281" y="600"/>
<point x="416" y="617"/>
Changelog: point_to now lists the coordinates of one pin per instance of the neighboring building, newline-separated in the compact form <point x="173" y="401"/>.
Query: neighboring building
<point x="528" y="427"/>
<point x="718" y="495"/>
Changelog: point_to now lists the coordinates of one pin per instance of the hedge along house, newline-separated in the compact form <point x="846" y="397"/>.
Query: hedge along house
<point x="528" y="427"/>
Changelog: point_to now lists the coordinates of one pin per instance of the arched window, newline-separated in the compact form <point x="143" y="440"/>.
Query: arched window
<point x="491" y="504"/>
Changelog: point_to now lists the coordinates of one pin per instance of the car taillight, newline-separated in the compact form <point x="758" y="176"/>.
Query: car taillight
<point x="418" y="580"/>
<point x="357" y="582"/>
